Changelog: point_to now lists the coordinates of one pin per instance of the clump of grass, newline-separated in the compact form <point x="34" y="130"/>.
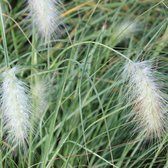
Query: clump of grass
<point x="86" y="91"/>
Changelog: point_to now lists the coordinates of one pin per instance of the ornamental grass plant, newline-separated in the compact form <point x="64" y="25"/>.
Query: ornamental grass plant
<point x="83" y="83"/>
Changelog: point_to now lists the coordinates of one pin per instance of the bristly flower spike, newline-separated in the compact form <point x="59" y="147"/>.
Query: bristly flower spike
<point x="148" y="103"/>
<point x="45" y="15"/>
<point x="15" y="108"/>
<point x="40" y="93"/>
<point x="125" y="30"/>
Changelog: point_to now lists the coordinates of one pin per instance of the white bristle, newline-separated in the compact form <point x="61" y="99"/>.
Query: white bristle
<point x="40" y="95"/>
<point x="128" y="27"/>
<point x="148" y="103"/>
<point x="45" y="16"/>
<point x="125" y="30"/>
<point x="15" y="108"/>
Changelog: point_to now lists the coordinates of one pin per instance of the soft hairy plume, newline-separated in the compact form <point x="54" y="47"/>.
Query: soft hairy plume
<point x="40" y="94"/>
<point x="45" y="16"/>
<point x="125" y="30"/>
<point x="148" y="103"/>
<point x="15" y="108"/>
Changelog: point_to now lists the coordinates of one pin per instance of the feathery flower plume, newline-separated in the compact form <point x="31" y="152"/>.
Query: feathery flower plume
<point x="127" y="28"/>
<point x="45" y="16"/>
<point x="15" y="108"/>
<point x="40" y="95"/>
<point x="144" y="92"/>
<point x="124" y="30"/>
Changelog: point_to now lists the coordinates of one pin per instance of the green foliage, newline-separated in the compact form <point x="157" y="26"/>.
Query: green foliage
<point x="85" y="123"/>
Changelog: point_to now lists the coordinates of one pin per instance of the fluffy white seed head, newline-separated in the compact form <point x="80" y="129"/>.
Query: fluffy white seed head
<point x="45" y="16"/>
<point x="15" y="108"/>
<point x="40" y="97"/>
<point x="125" y="30"/>
<point x="148" y="103"/>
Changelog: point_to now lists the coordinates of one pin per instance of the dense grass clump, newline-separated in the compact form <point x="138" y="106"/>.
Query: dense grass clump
<point x="70" y="71"/>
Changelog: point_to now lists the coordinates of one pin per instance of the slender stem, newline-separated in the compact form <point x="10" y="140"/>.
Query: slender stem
<point x="48" y="55"/>
<point x="1" y="135"/>
<point x="7" y="64"/>
<point x="4" y="38"/>
<point x="34" y="62"/>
